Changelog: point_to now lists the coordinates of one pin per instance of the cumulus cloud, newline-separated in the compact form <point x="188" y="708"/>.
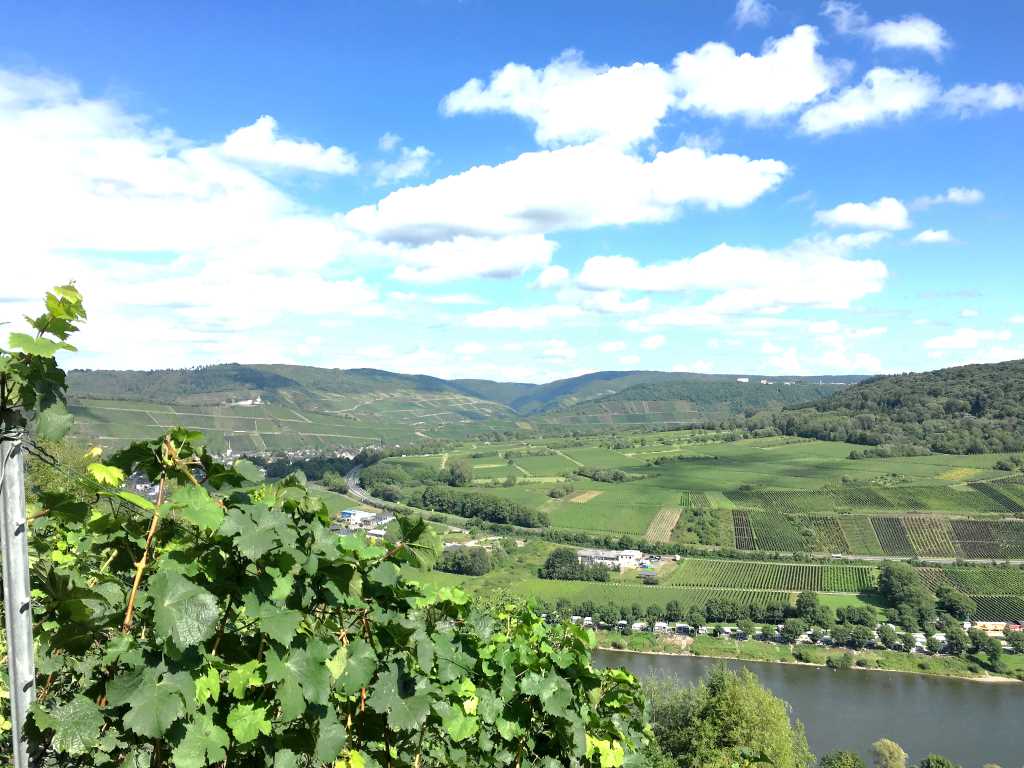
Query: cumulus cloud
<point x="813" y="272"/>
<point x="788" y="74"/>
<point x="912" y="32"/>
<point x="575" y="187"/>
<point x="388" y="141"/>
<point x="609" y="302"/>
<point x="886" y="213"/>
<point x="558" y="349"/>
<point x="1017" y="319"/>
<point x="756" y="12"/>
<point x="465" y="257"/>
<point x="965" y="338"/>
<point x="954" y="195"/>
<point x="471" y="348"/>
<point x="259" y="144"/>
<point x="552" y="276"/>
<point x="522" y="318"/>
<point x="883" y="94"/>
<point x="968" y="312"/>
<point x="408" y="164"/>
<point x="570" y="101"/>
<point x="930" y="236"/>
<point x="970" y="100"/>
<point x="656" y="341"/>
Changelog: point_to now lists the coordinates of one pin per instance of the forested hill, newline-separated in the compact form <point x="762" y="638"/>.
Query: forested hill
<point x="968" y="409"/>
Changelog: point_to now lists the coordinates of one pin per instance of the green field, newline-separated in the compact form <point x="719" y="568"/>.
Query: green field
<point x="790" y="577"/>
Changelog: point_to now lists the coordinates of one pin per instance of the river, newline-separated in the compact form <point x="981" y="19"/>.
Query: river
<point x="971" y="723"/>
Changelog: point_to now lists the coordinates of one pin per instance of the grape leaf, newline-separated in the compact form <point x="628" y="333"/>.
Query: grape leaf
<point x="196" y="505"/>
<point x="205" y="743"/>
<point x="247" y="722"/>
<point x="54" y="422"/>
<point x="76" y="726"/>
<point x="394" y="694"/>
<point x="153" y="707"/>
<point x="182" y="611"/>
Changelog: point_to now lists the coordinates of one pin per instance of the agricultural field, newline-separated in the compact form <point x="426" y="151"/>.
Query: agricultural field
<point x="789" y="577"/>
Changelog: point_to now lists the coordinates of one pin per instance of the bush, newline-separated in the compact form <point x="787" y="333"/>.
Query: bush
<point x="468" y="561"/>
<point x="564" y="565"/>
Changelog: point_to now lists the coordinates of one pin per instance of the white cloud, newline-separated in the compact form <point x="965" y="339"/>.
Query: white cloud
<point x="552" y="276"/>
<point x="612" y="346"/>
<point x="456" y="298"/>
<point x="559" y="349"/>
<point x="409" y="163"/>
<point x="824" y="327"/>
<point x="968" y="312"/>
<point x="970" y="100"/>
<point x="571" y="101"/>
<point x="1017" y="319"/>
<point x="166" y="238"/>
<point x="814" y="272"/>
<point x="465" y="257"/>
<point x="653" y="342"/>
<point x="259" y="144"/>
<point x="612" y="302"/>
<point x="785" y="362"/>
<point x="965" y="338"/>
<point x="629" y="360"/>
<point x="955" y="195"/>
<point x="883" y="94"/>
<point x="933" y="236"/>
<point x="756" y="12"/>
<point x="522" y="318"/>
<point x="885" y="213"/>
<point x="388" y="141"/>
<point x="577" y="187"/>
<point x="471" y="348"/>
<point x="788" y="74"/>
<point x="770" y="348"/>
<point x="914" y="31"/>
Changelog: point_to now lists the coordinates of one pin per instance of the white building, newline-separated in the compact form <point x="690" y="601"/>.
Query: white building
<point x="615" y="559"/>
<point x="358" y="518"/>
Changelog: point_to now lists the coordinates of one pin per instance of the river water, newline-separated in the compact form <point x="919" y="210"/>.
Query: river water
<point x="970" y="723"/>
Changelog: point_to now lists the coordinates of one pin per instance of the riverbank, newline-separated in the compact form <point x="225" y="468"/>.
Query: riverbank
<point x="807" y="655"/>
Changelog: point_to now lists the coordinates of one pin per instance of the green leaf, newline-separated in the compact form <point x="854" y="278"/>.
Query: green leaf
<point x="243" y="677"/>
<point x="385" y="574"/>
<point x="554" y="693"/>
<point x="105" y="474"/>
<point x="195" y="505"/>
<point x="337" y="663"/>
<point x="394" y="694"/>
<point x="208" y="686"/>
<point x="54" y="422"/>
<point x="247" y="722"/>
<point x="359" y="668"/>
<point x="285" y="758"/>
<point x="306" y="667"/>
<point x="205" y="743"/>
<point x="331" y="737"/>
<point x="30" y="345"/>
<point x="459" y="725"/>
<point x="277" y="623"/>
<point x="248" y="471"/>
<point x="182" y="611"/>
<point x="76" y="726"/>
<point x="153" y="707"/>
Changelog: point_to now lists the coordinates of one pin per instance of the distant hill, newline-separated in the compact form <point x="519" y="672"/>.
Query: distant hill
<point x="267" y="407"/>
<point x="968" y="409"/>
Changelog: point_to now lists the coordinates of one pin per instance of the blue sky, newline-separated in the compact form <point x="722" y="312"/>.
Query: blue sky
<point x="520" y="192"/>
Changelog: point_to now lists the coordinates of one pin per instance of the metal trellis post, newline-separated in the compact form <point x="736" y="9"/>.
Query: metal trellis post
<point x="17" y="591"/>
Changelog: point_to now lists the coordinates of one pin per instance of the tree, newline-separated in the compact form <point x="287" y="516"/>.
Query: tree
<point x="469" y="561"/>
<point x="459" y="473"/>
<point x="886" y="753"/>
<point x="978" y="639"/>
<point x="900" y="584"/>
<point x="860" y="636"/>
<point x="1016" y="641"/>
<point x="806" y="604"/>
<point x="841" y="634"/>
<point x="563" y="564"/>
<point x="792" y="629"/>
<point x="727" y="715"/>
<point x="695" y="617"/>
<point x="955" y="603"/>
<point x="840" y="759"/>
<point x="888" y="636"/>
<point x="956" y="639"/>
<point x="937" y="761"/>
<point x="746" y="626"/>
<point x="933" y="644"/>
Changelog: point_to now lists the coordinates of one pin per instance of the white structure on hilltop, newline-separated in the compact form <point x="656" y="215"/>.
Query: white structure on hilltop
<point x="258" y="400"/>
<point x="615" y="559"/>
<point x="743" y="380"/>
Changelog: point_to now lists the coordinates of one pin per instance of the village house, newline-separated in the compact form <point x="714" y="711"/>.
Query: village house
<point x="614" y="559"/>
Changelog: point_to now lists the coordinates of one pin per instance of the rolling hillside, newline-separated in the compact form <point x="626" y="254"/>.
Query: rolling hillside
<point x="273" y="407"/>
<point x="967" y="409"/>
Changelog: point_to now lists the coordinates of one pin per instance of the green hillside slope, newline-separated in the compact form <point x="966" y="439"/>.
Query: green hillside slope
<point x="968" y="409"/>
